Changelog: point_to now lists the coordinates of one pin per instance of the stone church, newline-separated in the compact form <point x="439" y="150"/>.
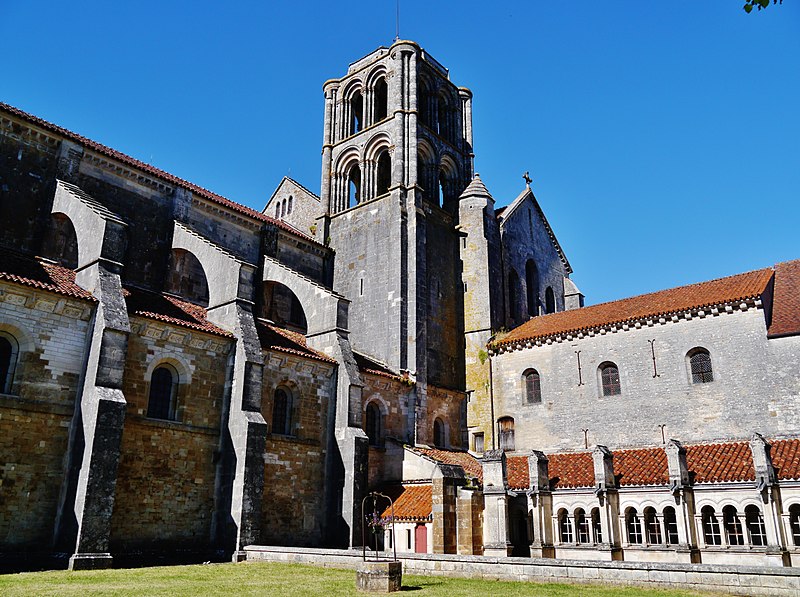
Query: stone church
<point x="183" y="378"/>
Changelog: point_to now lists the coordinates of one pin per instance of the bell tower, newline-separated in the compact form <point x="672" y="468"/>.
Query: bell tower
<point x="396" y="156"/>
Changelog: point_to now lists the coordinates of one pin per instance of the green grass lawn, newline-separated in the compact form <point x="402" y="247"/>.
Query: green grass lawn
<point x="283" y="580"/>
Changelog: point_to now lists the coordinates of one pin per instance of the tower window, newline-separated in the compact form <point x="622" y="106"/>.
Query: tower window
<point x="532" y="287"/>
<point x="381" y="99"/>
<point x="609" y="378"/>
<point x="533" y="387"/>
<point x="549" y="300"/>
<point x="384" y="177"/>
<point x="289" y="206"/>
<point x="374" y="424"/>
<point x="356" y="113"/>
<point x="505" y="427"/>
<point x="163" y="393"/>
<point x="282" y="412"/>
<point x="354" y="186"/>
<point x="700" y="365"/>
<point x="9" y="352"/>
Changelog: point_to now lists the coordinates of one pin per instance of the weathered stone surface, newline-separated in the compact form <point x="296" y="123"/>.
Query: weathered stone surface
<point x="379" y="577"/>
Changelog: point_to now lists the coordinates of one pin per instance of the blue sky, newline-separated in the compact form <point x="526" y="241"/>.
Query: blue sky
<point x="663" y="138"/>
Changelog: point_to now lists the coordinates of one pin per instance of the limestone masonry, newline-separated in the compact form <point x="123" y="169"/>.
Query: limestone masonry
<point x="182" y="377"/>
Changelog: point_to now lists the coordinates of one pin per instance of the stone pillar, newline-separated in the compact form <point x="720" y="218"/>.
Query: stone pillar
<point x="469" y="510"/>
<point x="605" y="488"/>
<point x="680" y="486"/>
<point x="446" y="479"/>
<point x="83" y="521"/>
<point x="540" y="504"/>
<point x="767" y="486"/>
<point x="495" y="498"/>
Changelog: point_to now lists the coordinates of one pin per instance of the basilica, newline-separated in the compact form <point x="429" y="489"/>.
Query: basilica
<point x="183" y="377"/>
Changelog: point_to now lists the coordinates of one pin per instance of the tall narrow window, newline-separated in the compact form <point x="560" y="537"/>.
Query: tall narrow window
<point x="532" y="287"/>
<point x="732" y="526"/>
<point x="533" y="387"/>
<point x="374" y="432"/>
<point x="9" y="352"/>
<point x="384" y="177"/>
<point x="478" y="443"/>
<point x="282" y="412"/>
<point x="609" y="377"/>
<point x="549" y="300"/>
<point x="564" y="526"/>
<point x="652" y="526"/>
<point x="700" y="364"/>
<point x="597" y="529"/>
<point x="163" y="392"/>
<point x="354" y="186"/>
<point x="506" y="432"/>
<point x="634" y="524"/>
<point x="582" y="526"/>
<point x="356" y="113"/>
<point x="711" y="533"/>
<point x="513" y="285"/>
<point x="671" y="525"/>
<point x="794" y="523"/>
<point x="381" y="99"/>
<point x="755" y="526"/>
<point x="438" y="434"/>
<point x="289" y="205"/>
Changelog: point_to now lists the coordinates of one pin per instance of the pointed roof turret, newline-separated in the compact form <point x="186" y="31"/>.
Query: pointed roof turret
<point x="476" y="188"/>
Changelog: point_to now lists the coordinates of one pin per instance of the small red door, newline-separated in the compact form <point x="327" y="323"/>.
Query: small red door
<point x="421" y="539"/>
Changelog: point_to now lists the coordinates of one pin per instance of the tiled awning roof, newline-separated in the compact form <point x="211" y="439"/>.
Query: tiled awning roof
<point x="412" y="502"/>
<point x="170" y="309"/>
<point x="274" y="338"/>
<point x="40" y="273"/>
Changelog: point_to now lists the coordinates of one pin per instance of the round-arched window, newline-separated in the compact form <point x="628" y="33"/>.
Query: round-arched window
<point x="163" y="393"/>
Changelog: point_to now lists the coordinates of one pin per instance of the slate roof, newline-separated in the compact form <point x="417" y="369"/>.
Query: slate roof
<point x="170" y="309"/>
<point x="732" y="289"/>
<point x="152" y="170"/>
<point x="786" y="301"/>
<point x="40" y="273"/>
<point x="412" y="503"/>
<point x="282" y="340"/>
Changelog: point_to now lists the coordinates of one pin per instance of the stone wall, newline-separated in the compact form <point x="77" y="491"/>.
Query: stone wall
<point x="732" y="580"/>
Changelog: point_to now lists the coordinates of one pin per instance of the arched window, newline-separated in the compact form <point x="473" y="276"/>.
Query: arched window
<point x="634" y="526"/>
<point x="442" y="187"/>
<point x="549" y="300"/>
<point x="564" y="527"/>
<point x="282" y="412"/>
<point x="533" y="386"/>
<point x="755" y="526"/>
<point x="505" y="427"/>
<point x="711" y="534"/>
<point x="384" y="174"/>
<point x="9" y="353"/>
<point x="356" y="113"/>
<point x="513" y="285"/>
<point x="671" y="525"/>
<point x="700" y="365"/>
<point x="652" y="526"/>
<point x="354" y="186"/>
<point x="582" y="526"/>
<point x="283" y="208"/>
<point x="374" y="431"/>
<point x="163" y="393"/>
<point x="381" y="99"/>
<point x="289" y="206"/>
<point x="609" y="379"/>
<point x="597" y="529"/>
<point x="732" y="526"/>
<point x="278" y="209"/>
<point x="532" y="287"/>
<point x="438" y="434"/>
<point x="794" y="523"/>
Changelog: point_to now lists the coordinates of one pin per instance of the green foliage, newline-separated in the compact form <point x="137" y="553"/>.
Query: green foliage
<point x="313" y="229"/>
<point x="749" y="4"/>
<point x="482" y="356"/>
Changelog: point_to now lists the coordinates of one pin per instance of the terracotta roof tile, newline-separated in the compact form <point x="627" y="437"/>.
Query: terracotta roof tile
<point x="170" y="309"/>
<point x="274" y="338"/>
<point x="367" y="364"/>
<point x="647" y="466"/>
<point x="38" y="273"/>
<point x="412" y="503"/>
<point x="786" y="458"/>
<point x="786" y="302"/>
<point x="720" y="463"/>
<point x="166" y="176"/>
<point x="571" y="469"/>
<point x="517" y="471"/>
<point x="656" y="304"/>
<point x="471" y="465"/>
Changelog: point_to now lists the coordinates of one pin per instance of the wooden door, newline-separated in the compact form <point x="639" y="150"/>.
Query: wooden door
<point x="421" y="539"/>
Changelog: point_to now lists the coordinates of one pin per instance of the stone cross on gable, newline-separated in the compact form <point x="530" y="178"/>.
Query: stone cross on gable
<point x="526" y="177"/>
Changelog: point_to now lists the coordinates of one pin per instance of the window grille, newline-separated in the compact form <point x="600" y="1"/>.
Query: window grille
<point x="533" y="387"/>
<point x="565" y="527"/>
<point x="732" y="526"/>
<point x="794" y="523"/>
<point x="711" y="532"/>
<point x="582" y="524"/>
<point x="652" y="527"/>
<point x="634" y="527"/>
<point x="755" y="526"/>
<point x="610" y="378"/>
<point x="700" y="363"/>
<point x="596" y="526"/>
<point x="671" y="525"/>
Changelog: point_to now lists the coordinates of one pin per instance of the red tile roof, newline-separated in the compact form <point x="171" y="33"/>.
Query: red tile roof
<point x="720" y="463"/>
<point x="274" y="338"/>
<point x="786" y="303"/>
<point x="647" y="306"/>
<point x="166" y="176"/>
<point x="517" y="471"/>
<point x="412" y="503"/>
<point x="367" y="364"/>
<point x="647" y="466"/>
<point x="170" y="309"/>
<point x="571" y="469"/>
<point x="38" y="273"/>
<point x="786" y="458"/>
<point x="470" y="464"/>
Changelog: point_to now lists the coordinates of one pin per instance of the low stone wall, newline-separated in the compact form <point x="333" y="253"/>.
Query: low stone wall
<point x="734" y="580"/>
